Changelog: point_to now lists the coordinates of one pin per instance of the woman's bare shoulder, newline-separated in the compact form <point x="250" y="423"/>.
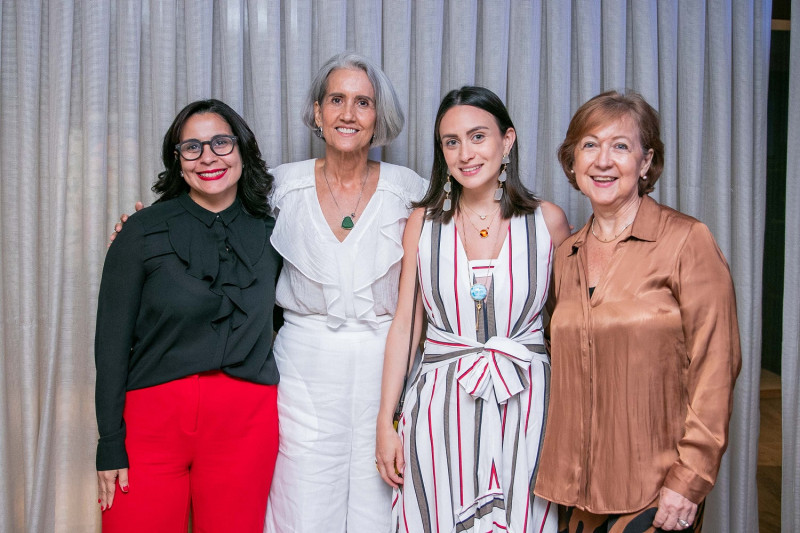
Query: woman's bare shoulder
<point x="556" y="222"/>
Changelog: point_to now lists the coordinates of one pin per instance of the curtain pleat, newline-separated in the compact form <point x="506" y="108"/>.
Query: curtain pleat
<point x="296" y="67"/>
<point x="427" y="66"/>
<point x="396" y="35"/>
<point x="492" y="46"/>
<point x="556" y="100"/>
<point x="522" y="86"/>
<point x="790" y="357"/>
<point x="264" y="77"/>
<point x="88" y="89"/>
<point x="458" y="45"/>
<point x="668" y="69"/>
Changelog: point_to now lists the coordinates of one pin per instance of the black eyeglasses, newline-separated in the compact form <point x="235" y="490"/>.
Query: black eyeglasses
<point x="193" y="149"/>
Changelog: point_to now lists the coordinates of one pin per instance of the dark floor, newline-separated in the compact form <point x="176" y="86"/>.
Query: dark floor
<point x="768" y="474"/>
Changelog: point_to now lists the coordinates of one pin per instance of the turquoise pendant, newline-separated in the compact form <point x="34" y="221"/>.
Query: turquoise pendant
<point x="478" y="292"/>
<point x="347" y="223"/>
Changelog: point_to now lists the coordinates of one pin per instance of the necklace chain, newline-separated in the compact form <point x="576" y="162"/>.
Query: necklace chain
<point x="347" y="220"/>
<point x="485" y="231"/>
<point x="615" y="237"/>
<point x="479" y="291"/>
<point x="482" y="217"/>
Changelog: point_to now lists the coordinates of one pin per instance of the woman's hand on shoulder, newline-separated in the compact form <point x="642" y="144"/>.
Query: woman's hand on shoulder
<point x="556" y="222"/>
<point x="122" y="220"/>
<point x="106" y="486"/>
<point x="673" y="508"/>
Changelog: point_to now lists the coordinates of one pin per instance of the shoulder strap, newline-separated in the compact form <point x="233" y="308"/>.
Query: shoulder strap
<point x="411" y="350"/>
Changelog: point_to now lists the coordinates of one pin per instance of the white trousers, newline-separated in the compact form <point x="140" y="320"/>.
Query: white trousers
<point x="328" y="397"/>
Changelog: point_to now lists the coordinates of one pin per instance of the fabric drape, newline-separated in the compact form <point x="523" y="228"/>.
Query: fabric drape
<point x="790" y="357"/>
<point x="87" y="90"/>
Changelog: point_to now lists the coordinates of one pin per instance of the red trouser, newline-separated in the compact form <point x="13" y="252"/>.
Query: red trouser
<point x="208" y="442"/>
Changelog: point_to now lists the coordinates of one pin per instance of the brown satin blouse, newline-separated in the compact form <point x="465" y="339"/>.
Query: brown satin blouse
<point x="643" y="371"/>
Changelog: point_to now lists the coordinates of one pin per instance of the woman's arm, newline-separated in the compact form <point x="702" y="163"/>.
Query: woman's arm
<point x="117" y="310"/>
<point x="388" y="447"/>
<point x="705" y="294"/>
<point x="559" y="229"/>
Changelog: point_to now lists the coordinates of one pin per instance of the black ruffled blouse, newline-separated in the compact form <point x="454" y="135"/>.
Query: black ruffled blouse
<point x="184" y="290"/>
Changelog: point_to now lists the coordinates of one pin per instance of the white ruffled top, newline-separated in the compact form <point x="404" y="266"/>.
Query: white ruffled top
<point x="353" y="279"/>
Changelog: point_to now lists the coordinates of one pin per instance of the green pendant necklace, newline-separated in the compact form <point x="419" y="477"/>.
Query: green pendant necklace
<point x="348" y="221"/>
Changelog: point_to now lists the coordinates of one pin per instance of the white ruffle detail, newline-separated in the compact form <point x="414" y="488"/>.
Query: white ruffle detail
<point x="346" y="274"/>
<point x="379" y="252"/>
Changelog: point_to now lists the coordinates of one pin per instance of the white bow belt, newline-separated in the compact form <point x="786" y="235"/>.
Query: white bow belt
<point x="500" y="365"/>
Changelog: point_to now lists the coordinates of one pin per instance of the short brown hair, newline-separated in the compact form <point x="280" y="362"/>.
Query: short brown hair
<point x="607" y="107"/>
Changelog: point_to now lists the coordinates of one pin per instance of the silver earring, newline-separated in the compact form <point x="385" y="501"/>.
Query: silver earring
<point x="447" y="205"/>
<point x="498" y="193"/>
<point x="318" y="132"/>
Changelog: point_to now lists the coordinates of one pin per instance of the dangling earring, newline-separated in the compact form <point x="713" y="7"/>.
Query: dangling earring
<point x="498" y="193"/>
<point x="447" y="205"/>
<point x="318" y="132"/>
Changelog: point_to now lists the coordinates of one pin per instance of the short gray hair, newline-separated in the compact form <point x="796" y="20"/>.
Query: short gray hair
<point x="389" y="118"/>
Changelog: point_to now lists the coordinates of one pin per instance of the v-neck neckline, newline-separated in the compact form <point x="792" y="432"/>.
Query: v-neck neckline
<point x="320" y="215"/>
<point x="496" y="262"/>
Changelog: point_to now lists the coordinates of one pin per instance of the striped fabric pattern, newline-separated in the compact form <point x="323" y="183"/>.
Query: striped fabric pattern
<point x="473" y="418"/>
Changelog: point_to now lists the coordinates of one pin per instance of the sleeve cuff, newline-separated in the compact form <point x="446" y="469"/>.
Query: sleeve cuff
<point x="687" y="483"/>
<point x="111" y="453"/>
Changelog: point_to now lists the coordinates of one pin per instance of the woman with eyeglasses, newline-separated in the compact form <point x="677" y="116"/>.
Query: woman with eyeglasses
<point x="186" y="378"/>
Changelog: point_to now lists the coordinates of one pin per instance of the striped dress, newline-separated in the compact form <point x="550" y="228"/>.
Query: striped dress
<point x="474" y="415"/>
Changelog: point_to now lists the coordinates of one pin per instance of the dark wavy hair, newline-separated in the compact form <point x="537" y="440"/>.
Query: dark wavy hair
<point x="517" y="199"/>
<point x="606" y="108"/>
<point x="256" y="182"/>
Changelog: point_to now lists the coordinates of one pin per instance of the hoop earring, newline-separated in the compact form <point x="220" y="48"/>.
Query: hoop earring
<point x="498" y="193"/>
<point x="448" y="187"/>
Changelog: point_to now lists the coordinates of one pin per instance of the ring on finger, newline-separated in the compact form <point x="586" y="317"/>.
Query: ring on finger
<point x="682" y="522"/>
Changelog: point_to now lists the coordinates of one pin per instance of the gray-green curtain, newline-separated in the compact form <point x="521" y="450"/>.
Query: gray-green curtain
<point x="87" y="89"/>
<point x="790" y="359"/>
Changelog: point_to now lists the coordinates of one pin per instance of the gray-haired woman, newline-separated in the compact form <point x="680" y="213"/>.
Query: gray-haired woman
<point x="340" y="222"/>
